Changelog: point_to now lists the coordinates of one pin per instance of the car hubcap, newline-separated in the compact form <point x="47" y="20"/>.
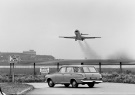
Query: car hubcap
<point x="74" y="84"/>
<point x="51" y="83"/>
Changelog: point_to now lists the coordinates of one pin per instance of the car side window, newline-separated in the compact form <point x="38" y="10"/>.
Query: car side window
<point x="70" y="70"/>
<point x="93" y="70"/>
<point x="89" y="69"/>
<point x="77" y="70"/>
<point x="62" y="70"/>
<point x="86" y="69"/>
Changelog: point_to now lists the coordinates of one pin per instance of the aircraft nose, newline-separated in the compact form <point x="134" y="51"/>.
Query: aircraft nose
<point x="76" y="30"/>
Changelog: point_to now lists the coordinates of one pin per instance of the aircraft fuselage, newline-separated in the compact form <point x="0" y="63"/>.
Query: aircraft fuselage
<point x="78" y="35"/>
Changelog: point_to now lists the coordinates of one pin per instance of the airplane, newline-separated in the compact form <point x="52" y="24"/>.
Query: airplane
<point x="78" y="36"/>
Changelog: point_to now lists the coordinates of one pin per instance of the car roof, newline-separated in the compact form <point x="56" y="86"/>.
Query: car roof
<point x="76" y="66"/>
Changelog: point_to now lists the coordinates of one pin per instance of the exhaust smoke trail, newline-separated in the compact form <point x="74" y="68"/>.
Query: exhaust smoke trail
<point x="82" y="48"/>
<point x="89" y="53"/>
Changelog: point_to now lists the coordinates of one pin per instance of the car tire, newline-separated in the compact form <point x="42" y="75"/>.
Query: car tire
<point x="51" y="83"/>
<point x="91" y="85"/>
<point x="74" y="84"/>
<point x="66" y="85"/>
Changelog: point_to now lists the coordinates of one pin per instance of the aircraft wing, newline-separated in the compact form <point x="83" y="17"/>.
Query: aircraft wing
<point x="67" y="37"/>
<point x="90" y="37"/>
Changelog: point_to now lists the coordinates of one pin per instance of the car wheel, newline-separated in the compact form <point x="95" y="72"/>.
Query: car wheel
<point x="66" y="85"/>
<point x="74" y="84"/>
<point x="91" y="85"/>
<point x="50" y="83"/>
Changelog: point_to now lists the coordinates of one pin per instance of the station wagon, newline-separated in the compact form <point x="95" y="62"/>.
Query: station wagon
<point x="74" y="75"/>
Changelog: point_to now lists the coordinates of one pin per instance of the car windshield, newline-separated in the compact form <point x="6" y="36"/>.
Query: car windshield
<point x="89" y="69"/>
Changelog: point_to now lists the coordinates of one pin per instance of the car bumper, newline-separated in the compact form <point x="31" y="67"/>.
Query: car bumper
<point x="89" y="81"/>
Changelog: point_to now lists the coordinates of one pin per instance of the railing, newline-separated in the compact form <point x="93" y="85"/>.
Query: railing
<point x="100" y="65"/>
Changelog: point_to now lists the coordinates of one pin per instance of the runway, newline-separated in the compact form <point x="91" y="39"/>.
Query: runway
<point x="99" y="89"/>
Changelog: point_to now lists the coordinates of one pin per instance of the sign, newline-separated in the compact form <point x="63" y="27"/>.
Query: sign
<point x="14" y="59"/>
<point x="44" y="70"/>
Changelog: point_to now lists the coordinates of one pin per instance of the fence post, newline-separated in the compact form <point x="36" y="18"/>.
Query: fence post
<point x="10" y="69"/>
<point x="1" y="91"/>
<point x="34" y="70"/>
<point x="82" y="63"/>
<point x="57" y="66"/>
<point x="120" y="67"/>
<point x="13" y="79"/>
<point x="10" y="75"/>
<point x="99" y="67"/>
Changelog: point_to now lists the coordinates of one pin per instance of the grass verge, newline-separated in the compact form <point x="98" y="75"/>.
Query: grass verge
<point x="15" y="88"/>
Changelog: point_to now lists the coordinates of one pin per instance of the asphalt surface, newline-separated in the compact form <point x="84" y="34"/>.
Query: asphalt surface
<point x="99" y="89"/>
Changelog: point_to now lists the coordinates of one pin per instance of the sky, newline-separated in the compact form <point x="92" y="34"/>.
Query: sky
<point x="37" y="25"/>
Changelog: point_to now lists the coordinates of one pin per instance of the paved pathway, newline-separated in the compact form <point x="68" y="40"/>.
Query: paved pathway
<point x="99" y="89"/>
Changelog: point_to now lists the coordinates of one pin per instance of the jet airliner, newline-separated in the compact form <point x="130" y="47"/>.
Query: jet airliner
<point x="78" y="36"/>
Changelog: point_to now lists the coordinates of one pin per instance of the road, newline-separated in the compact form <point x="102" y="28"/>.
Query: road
<point x="99" y="89"/>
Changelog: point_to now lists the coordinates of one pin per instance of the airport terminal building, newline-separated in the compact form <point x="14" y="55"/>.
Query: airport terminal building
<point x="25" y="55"/>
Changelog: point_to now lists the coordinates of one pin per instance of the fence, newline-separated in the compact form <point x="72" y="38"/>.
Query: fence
<point x="120" y="64"/>
<point x="99" y="64"/>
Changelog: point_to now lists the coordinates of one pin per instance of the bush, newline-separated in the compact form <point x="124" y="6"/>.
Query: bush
<point x="22" y="78"/>
<point x="117" y="77"/>
<point x="125" y="77"/>
<point x="30" y="78"/>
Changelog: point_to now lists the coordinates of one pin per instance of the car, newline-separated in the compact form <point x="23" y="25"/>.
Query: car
<point x="74" y="75"/>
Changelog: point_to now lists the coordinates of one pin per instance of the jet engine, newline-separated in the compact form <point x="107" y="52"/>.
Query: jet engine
<point x="84" y="34"/>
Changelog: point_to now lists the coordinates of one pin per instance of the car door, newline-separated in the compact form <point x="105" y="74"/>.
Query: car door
<point x="59" y="76"/>
<point x="77" y="73"/>
<point x="68" y="75"/>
